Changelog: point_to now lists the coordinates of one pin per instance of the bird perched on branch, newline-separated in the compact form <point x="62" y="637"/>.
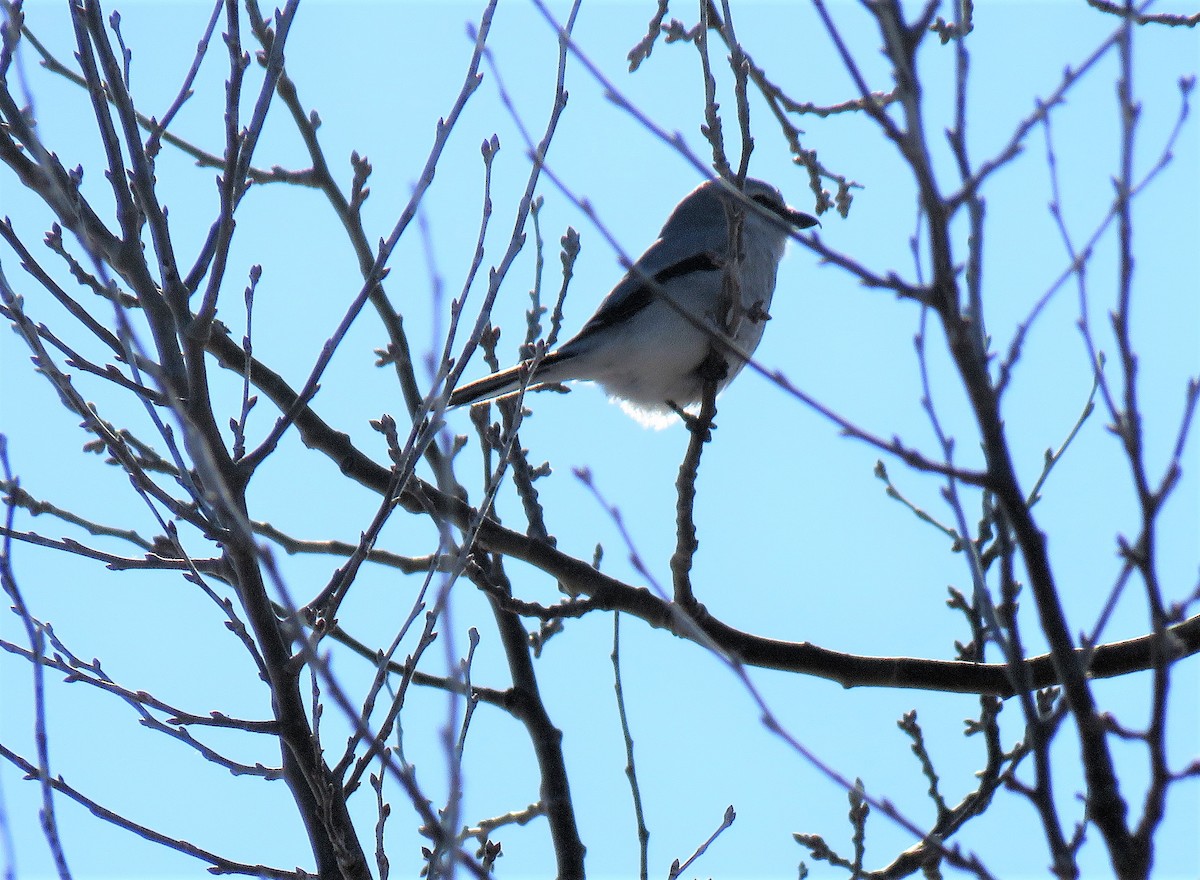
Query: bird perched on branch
<point x="690" y="294"/>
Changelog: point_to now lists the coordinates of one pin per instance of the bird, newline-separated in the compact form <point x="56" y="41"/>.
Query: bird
<point x="638" y="346"/>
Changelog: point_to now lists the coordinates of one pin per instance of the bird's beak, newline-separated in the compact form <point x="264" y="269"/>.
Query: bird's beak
<point x="801" y="220"/>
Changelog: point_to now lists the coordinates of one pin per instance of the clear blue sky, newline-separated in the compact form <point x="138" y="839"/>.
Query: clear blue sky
<point x="797" y="540"/>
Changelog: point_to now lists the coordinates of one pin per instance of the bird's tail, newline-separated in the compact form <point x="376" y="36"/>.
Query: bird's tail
<point x="505" y="382"/>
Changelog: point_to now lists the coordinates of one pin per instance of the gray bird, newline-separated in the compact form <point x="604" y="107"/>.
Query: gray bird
<point x="638" y="346"/>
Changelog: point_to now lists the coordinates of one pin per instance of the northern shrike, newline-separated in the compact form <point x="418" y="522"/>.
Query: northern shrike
<point x="638" y="346"/>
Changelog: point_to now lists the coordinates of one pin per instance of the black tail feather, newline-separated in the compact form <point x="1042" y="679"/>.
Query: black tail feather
<point x="504" y="382"/>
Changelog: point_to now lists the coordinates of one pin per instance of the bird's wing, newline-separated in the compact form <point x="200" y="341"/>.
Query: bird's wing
<point x="660" y="263"/>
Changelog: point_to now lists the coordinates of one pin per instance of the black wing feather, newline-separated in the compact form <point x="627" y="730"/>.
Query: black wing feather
<point x="641" y="296"/>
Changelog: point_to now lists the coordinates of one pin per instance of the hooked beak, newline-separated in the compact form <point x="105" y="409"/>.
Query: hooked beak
<point x="799" y="219"/>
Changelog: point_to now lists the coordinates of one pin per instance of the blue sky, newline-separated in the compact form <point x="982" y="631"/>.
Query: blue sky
<point x="797" y="539"/>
